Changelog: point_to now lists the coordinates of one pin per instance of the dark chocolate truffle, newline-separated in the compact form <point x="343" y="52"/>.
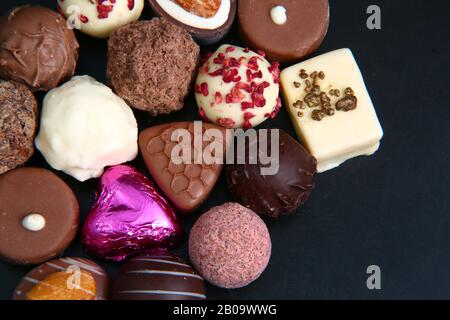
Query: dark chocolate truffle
<point x="37" y="48"/>
<point x="18" y="121"/>
<point x="278" y="194"/>
<point x="158" y="275"/>
<point x="208" y="21"/>
<point x="64" y="279"/>
<point x="287" y="30"/>
<point x="152" y="64"/>
<point x="39" y="215"/>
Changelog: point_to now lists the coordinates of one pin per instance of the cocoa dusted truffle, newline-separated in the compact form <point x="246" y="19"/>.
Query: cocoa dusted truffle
<point x="274" y="194"/>
<point x="37" y="48"/>
<point x="230" y="246"/>
<point x="152" y="64"/>
<point x="18" y="121"/>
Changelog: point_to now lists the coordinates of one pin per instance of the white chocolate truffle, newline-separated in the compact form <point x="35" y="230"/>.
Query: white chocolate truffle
<point x="278" y="15"/>
<point x="346" y="134"/>
<point x="99" y="18"/>
<point x="86" y="127"/>
<point x="238" y="88"/>
<point x="33" y="222"/>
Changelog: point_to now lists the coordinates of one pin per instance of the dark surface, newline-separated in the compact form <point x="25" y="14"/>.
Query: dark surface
<point x="391" y="209"/>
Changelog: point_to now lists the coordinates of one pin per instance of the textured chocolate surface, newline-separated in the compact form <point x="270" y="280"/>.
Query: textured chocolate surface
<point x="68" y="264"/>
<point x="18" y="121"/>
<point x="230" y="246"/>
<point x="158" y="275"/>
<point x="305" y="29"/>
<point x="186" y="185"/>
<point x="282" y="193"/>
<point x="152" y="64"/>
<point x="37" y="48"/>
<point x="33" y="190"/>
<point x="202" y="36"/>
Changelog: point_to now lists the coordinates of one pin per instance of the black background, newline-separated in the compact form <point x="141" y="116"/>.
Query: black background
<point x="391" y="209"/>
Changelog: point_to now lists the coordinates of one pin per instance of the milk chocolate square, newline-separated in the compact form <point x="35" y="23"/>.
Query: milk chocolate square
<point x="337" y="121"/>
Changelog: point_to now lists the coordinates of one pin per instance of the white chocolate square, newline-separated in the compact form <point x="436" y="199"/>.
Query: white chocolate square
<point x="345" y="135"/>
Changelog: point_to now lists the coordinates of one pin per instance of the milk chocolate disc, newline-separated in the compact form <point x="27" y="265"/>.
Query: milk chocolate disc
<point x="158" y="275"/>
<point x="304" y="28"/>
<point x="187" y="185"/>
<point x="39" y="215"/>
<point x="208" y="21"/>
<point x="64" y="279"/>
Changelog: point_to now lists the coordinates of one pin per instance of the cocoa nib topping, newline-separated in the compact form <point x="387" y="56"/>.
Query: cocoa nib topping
<point x="320" y="100"/>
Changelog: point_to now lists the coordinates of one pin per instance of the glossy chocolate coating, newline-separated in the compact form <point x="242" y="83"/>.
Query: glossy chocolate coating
<point x="37" y="48"/>
<point x="27" y="191"/>
<point x="158" y="275"/>
<point x="305" y="28"/>
<point x="279" y="194"/>
<point x="186" y="185"/>
<point x="39" y="273"/>
<point x="201" y="36"/>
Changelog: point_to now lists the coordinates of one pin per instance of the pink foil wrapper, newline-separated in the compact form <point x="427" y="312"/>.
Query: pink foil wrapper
<point x="129" y="216"/>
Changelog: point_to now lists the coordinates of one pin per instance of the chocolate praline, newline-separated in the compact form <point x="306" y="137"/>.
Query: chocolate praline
<point x="158" y="275"/>
<point x="39" y="216"/>
<point x="37" y="48"/>
<point x="204" y="36"/>
<point x="297" y="33"/>
<point x="278" y="194"/>
<point x="89" y="273"/>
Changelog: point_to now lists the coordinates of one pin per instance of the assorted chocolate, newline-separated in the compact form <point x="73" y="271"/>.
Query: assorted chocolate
<point x="158" y="275"/>
<point x="64" y="279"/>
<point x="208" y="21"/>
<point x="36" y="48"/>
<point x="238" y="88"/>
<point x="287" y="30"/>
<point x="98" y="18"/>
<point x="39" y="216"/>
<point x="331" y="109"/>
<point x="276" y="194"/>
<point x="129" y="215"/>
<point x="152" y="66"/>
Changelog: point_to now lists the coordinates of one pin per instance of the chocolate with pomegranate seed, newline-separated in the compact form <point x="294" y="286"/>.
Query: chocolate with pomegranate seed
<point x="238" y="88"/>
<point x="274" y="193"/>
<point x="36" y="48"/>
<point x="98" y="18"/>
<point x="152" y="64"/>
<point x="208" y="21"/>
<point x="287" y="30"/>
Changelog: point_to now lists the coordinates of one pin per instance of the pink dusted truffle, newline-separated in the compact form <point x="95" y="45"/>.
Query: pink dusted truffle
<point x="230" y="246"/>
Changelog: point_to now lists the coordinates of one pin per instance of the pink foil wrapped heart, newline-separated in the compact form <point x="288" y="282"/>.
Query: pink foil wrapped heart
<point x="129" y="216"/>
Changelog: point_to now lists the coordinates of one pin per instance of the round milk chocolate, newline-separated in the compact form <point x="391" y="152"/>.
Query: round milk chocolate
<point x="158" y="275"/>
<point x="39" y="216"/>
<point x="64" y="279"/>
<point x="207" y="21"/>
<point x="274" y="194"/>
<point x="37" y="48"/>
<point x="287" y="30"/>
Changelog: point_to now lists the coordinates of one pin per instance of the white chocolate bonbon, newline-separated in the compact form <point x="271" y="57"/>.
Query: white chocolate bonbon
<point x="345" y="135"/>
